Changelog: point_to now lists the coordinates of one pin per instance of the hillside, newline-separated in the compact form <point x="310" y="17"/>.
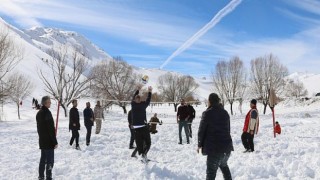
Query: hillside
<point x="36" y="41"/>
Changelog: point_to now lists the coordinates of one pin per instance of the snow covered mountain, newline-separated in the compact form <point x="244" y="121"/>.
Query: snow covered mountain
<point x="46" y="38"/>
<point x="36" y="41"/>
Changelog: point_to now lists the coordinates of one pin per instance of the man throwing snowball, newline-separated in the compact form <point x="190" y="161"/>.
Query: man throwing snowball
<point x="139" y="123"/>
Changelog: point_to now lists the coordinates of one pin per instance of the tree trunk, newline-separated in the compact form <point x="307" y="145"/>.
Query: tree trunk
<point x="124" y="109"/>
<point x="175" y="107"/>
<point x="265" y="107"/>
<point x="240" y="106"/>
<point x="65" y="110"/>
<point x="231" y="103"/>
<point x="18" y="110"/>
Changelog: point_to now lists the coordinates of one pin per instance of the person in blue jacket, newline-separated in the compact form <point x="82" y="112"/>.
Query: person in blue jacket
<point x="88" y="121"/>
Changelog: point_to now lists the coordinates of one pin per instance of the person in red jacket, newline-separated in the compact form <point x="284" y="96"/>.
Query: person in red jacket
<point x="277" y="128"/>
<point x="251" y="126"/>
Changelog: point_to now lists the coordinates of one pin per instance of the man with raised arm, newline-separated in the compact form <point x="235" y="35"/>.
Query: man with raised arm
<point x="139" y="122"/>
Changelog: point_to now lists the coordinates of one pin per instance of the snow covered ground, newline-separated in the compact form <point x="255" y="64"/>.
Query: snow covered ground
<point x="295" y="154"/>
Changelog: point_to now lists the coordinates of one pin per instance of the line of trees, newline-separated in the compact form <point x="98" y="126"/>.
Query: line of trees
<point x="174" y="87"/>
<point x="15" y="87"/>
<point x="266" y="72"/>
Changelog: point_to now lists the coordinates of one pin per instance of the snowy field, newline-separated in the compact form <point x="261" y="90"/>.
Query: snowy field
<point x="295" y="154"/>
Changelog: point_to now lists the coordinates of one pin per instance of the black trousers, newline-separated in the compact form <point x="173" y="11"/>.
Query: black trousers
<point x="131" y="137"/>
<point x="75" y="136"/>
<point x="215" y="161"/>
<point x="46" y="163"/>
<point x="143" y="140"/>
<point x="247" y="140"/>
<point x="88" y="136"/>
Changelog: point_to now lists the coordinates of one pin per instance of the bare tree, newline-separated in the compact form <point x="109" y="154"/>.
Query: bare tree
<point x="266" y="73"/>
<point x="295" y="89"/>
<point x="67" y="71"/>
<point x="228" y="79"/>
<point x="21" y="87"/>
<point x="10" y="55"/>
<point x="174" y="87"/>
<point x="114" y="80"/>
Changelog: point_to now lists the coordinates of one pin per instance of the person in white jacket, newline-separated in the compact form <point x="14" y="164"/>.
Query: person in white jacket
<point x="98" y="116"/>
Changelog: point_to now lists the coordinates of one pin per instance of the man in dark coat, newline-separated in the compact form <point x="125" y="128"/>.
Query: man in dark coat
<point x="88" y="121"/>
<point x="47" y="138"/>
<point x="139" y="123"/>
<point x="131" y="130"/>
<point x="214" y="138"/>
<point x="191" y="117"/>
<point x="183" y="115"/>
<point x="74" y="123"/>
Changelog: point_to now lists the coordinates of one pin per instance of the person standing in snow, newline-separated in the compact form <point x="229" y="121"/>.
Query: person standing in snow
<point x="153" y="124"/>
<point x="74" y="123"/>
<point x="131" y="130"/>
<point x="99" y="116"/>
<point x="251" y="125"/>
<point x="183" y="115"/>
<point x="139" y="123"/>
<point x="214" y="138"/>
<point x="47" y="138"/>
<point x="191" y="118"/>
<point x="88" y="121"/>
<point x="277" y="128"/>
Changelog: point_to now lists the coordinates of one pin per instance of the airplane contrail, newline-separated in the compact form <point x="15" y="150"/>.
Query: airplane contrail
<point x="215" y="20"/>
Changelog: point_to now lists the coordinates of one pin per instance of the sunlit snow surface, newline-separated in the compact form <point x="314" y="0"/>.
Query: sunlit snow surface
<point x="292" y="155"/>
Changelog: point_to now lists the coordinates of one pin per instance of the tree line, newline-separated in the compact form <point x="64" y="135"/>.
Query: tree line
<point x="232" y="82"/>
<point x="72" y="76"/>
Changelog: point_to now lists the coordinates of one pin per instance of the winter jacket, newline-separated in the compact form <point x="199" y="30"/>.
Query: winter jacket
<point x="88" y="117"/>
<point x="183" y="112"/>
<point x="74" y="119"/>
<point x="192" y="112"/>
<point x="251" y="122"/>
<point x="214" y="131"/>
<point x="153" y="124"/>
<point x="98" y="112"/>
<point x="130" y="118"/>
<point x="138" y="110"/>
<point x="46" y="129"/>
<point x="277" y="129"/>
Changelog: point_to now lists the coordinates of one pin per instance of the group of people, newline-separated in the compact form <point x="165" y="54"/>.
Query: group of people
<point x="214" y="138"/>
<point x="47" y="135"/>
<point x="90" y="116"/>
<point x="35" y="104"/>
<point x="185" y="115"/>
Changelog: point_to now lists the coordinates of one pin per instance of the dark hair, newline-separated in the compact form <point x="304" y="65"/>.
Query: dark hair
<point x="277" y="122"/>
<point x="44" y="99"/>
<point x="253" y="101"/>
<point x="214" y="98"/>
<point x="73" y="101"/>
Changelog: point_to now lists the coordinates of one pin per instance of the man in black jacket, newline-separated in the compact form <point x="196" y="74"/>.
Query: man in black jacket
<point x="74" y="123"/>
<point x="47" y="138"/>
<point x="214" y="138"/>
<point x="183" y="114"/>
<point x="88" y="121"/>
<point x="139" y="123"/>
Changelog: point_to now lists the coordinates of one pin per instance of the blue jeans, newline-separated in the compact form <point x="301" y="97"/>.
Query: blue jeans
<point x="46" y="163"/>
<point x="184" y="124"/>
<point x="215" y="161"/>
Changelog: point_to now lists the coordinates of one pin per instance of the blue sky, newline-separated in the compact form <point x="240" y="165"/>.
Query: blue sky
<point x="146" y="32"/>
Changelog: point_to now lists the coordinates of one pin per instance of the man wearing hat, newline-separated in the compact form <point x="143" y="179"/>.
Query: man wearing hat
<point x="251" y="126"/>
